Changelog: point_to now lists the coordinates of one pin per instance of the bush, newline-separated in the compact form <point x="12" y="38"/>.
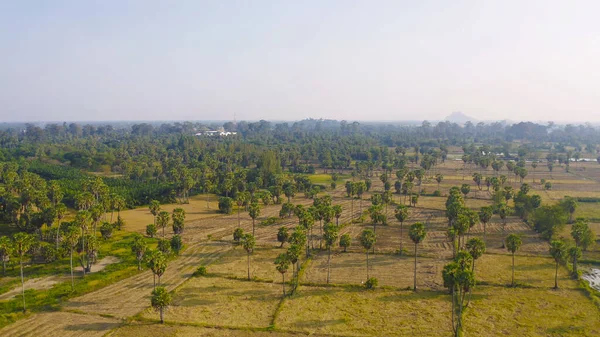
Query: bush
<point x="269" y="221"/>
<point x="225" y="205"/>
<point x="437" y="193"/>
<point x="237" y="234"/>
<point x="164" y="246"/>
<point x="176" y="244"/>
<point x="151" y="230"/>
<point x="106" y="230"/>
<point x="48" y="252"/>
<point x="119" y="224"/>
<point x="371" y="283"/>
<point x="201" y="271"/>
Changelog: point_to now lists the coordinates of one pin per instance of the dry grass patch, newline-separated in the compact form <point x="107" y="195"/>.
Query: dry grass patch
<point x="390" y="270"/>
<point x="61" y="324"/>
<point x="223" y="302"/>
<point x="358" y="312"/>
<point x="162" y="330"/>
<point x="529" y="271"/>
<point x="235" y="264"/>
<point x="137" y="219"/>
<point x="498" y="311"/>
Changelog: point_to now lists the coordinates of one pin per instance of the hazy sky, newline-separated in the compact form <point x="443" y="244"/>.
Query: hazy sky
<point x="353" y="60"/>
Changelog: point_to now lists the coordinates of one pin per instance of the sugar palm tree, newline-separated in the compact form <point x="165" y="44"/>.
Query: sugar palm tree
<point x="22" y="243"/>
<point x="331" y="236"/>
<point x="559" y="253"/>
<point x="282" y="264"/>
<point x="513" y="243"/>
<point x="367" y="240"/>
<point x="417" y="234"/>
<point x="154" y="209"/>
<point x="248" y="242"/>
<point x="401" y="213"/>
<point x="160" y="300"/>
<point x="71" y="239"/>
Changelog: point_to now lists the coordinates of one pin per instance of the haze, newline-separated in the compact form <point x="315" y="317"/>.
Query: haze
<point x="353" y="60"/>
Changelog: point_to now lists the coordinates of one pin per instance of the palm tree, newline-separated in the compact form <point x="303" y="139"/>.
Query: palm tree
<point x="401" y="214"/>
<point x="6" y="250"/>
<point x="485" y="215"/>
<point x="161" y="299"/>
<point x="367" y="240"/>
<point x="558" y="252"/>
<point x="163" y="220"/>
<point x="157" y="262"/>
<point x="331" y="236"/>
<point x="71" y="240"/>
<point x="254" y="212"/>
<point x="178" y="217"/>
<point x="337" y="212"/>
<point x="61" y="212"/>
<point x="22" y="244"/>
<point x="282" y="264"/>
<point x="154" y="209"/>
<point x="417" y="234"/>
<point x="139" y="247"/>
<point x="475" y="247"/>
<point x="248" y="242"/>
<point x="513" y="243"/>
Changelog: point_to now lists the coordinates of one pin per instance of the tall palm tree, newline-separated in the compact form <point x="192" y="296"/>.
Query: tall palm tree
<point x="22" y="245"/>
<point x="367" y="240"/>
<point x="558" y="252"/>
<point x="417" y="234"/>
<point x="248" y="242"/>
<point x="513" y="243"/>
<point x="71" y="239"/>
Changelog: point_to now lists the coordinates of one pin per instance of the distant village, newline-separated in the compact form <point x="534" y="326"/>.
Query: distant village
<point x="219" y="132"/>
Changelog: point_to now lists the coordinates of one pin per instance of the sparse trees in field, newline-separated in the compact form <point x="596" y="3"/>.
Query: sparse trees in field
<point x="22" y="243"/>
<point x="139" y="247"/>
<point x="513" y="243"/>
<point x="575" y="255"/>
<point x="417" y="234"/>
<point x="282" y="264"/>
<point x="161" y="300"/>
<point x="248" y="242"/>
<point x="485" y="215"/>
<point x="331" y="235"/>
<point x="367" y="241"/>
<point x="559" y="253"/>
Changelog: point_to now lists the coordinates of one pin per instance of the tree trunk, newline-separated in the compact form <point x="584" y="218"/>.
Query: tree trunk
<point x="513" y="270"/>
<point x="367" y="264"/>
<point x="22" y="282"/>
<point x="159" y="280"/>
<point x="162" y="321"/>
<point x="252" y="226"/>
<point x="239" y="219"/>
<point x="401" y="243"/>
<point x="248" y="266"/>
<point x="556" y="276"/>
<point x="57" y="233"/>
<point x="154" y="280"/>
<point x="328" y="264"/>
<point x="283" y="283"/>
<point x="415" y="283"/>
<point x="72" y="279"/>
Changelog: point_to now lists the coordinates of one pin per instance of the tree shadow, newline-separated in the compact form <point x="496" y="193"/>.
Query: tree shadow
<point x="319" y="323"/>
<point x="92" y="327"/>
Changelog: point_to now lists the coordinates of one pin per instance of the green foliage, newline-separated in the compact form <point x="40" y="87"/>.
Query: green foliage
<point x="371" y="283"/>
<point x="161" y="299"/>
<point x="548" y="220"/>
<point x="238" y="233"/>
<point x="106" y="230"/>
<point x="151" y="230"/>
<point x="176" y="244"/>
<point x="345" y="241"/>
<point x="164" y="246"/>
<point x="200" y="271"/>
<point x="367" y="239"/>
<point x="225" y="205"/>
<point x="283" y="235"/>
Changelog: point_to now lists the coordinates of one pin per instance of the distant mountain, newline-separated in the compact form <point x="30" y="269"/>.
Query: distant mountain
<point x="460" y="118"/>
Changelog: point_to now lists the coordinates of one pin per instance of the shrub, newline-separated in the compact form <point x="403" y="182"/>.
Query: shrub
<point x="201" y="271"/>
<point x="151" y="230"/>
<point x="176" y="244"/>
<point x="237" y="234"/>
<point x="48" y="252"/>
<point x="371" y="283"/>
<point x="119" y="224"/>
<point x="164" y="246"/>
<point x="106" y="230"/>
<point x="225" y="205"/>
<point x="437" y="193"/>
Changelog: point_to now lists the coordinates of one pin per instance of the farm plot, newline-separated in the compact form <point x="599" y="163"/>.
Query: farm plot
<point x="61" y="324"/>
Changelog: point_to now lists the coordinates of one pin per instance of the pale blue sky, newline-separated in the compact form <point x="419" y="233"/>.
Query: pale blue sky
<point x="354" y="60"/>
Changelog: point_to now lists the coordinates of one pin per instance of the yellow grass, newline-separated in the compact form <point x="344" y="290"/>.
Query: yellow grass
<point x="224" y="302"/>
<point x="235" y="264"/>
<point x="162" y="330"/>
<point x="356" y="312"/>
<point x="531" y="312"/>
<point x="137" y="219"/>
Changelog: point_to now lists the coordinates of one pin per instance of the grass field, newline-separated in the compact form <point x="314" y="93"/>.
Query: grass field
<point x="225" y="304"/>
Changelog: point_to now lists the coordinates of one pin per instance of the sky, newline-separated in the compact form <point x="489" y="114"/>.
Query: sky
<point x="288" y="60"/>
